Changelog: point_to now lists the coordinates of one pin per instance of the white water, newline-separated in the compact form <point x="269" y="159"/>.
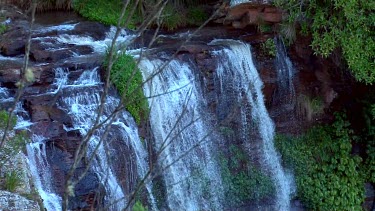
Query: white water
<point x="81" y="105"/>
<point x="192" y="178"/>
<point x="40" y="169"/>
<point x="236" y="63"/>
<point x="237" y="2"/>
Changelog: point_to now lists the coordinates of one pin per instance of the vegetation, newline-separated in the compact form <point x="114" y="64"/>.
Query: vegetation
<point x="104" y="11"/>
<point x="328" y="176"/>
<point x="14" y="142"/>
<point x="243" y="182"/>
<point x="339" y="24"/>
<point x="175" y="14"/>
<point x="138" y="206"/>
<point x="269" y="47"/>
<point x="127" y="79"/>
<point x="3" y="28"/>
<point x="12" y="180"/>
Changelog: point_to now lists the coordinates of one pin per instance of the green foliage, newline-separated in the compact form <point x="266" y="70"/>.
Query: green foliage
<point x="138" y="206"/>
<point x="242" y="181"/>
<point x="12" y="181"/>
<point x="348" y="25"/>
<point x="265" y="28"/>
<point x="172" y="19"/>
<point x="269" y="47"/>
<point x="196" y="15"/>
<point x="127" y="79"/>
<point x="104" y="11"/>
<point x="4" y="118"/>
<point x="328" y="177"/>
<point x="3" y="28"/>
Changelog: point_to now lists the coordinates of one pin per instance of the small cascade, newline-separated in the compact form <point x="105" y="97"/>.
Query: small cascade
<point x="183" y="136"/>
<point x="236" y="72"/>
<point x="81" y="103"/>
<point x="285" y="73"/>
<point x="40" y="169"/>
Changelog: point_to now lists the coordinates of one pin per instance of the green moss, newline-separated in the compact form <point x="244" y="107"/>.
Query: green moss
<point x="328" y="177"/>
<point x="104" y="11"/>
<point x="127" y="79"/>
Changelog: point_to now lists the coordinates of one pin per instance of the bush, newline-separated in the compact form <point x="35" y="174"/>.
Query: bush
<point x="348" y="25"/>
<point x="12" y="181"/>
<point x="104" y="11"/>
<point x="172" y="18"/>
<point x="127" y="79"/>
<point x="328" y="177"/>
<point x="269" y="47"/>
<point x="196" y="16"/>
<point x="138" y="206"/>
<point x="3" y="28"/>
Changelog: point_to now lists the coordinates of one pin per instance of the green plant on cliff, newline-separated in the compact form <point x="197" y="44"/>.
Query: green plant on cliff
<point x="338" y="24"/>
<point x="328" y="176"/>
<point x="269" y="47"/>
<point x="127" y="79"/>
<point x="12" y="180"/>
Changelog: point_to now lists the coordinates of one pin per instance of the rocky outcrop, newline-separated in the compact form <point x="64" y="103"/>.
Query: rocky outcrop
<point x="11" y="202"/>
<point x="249" y="14"/>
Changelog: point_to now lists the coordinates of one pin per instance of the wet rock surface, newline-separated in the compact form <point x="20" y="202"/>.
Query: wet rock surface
<point x="11" y="201"/>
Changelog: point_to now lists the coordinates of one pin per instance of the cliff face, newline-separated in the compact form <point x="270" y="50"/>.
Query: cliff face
<point x="314" y="78"/>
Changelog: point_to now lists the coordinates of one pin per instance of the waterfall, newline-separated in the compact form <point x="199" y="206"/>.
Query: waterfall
<point x="183" y="135"/>
<point x="236" y="69"/>
<point x="285" y="73"/>
<point x="40" y="169"/>
<point x="82" y="102"/>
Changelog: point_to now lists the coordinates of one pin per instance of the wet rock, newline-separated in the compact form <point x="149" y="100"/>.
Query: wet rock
<point x="93" y="29"/>
<point x="11" y="201"/>
<point x="48" y="129"/>
<point x="39" y="54"/>
<point x="13" y="42"/>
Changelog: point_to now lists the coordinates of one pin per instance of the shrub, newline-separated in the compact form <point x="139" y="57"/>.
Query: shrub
<point x="347" y="25"/>
<point x="104" y="11"/>
<point x="127" y="79"/>
<point x="3" y="28"/>
<point x="173" y="18"/>
<point x="327" y="175"/>
<point x="196" y="15"/>
<point x="269" y="47"/>
<point x="138" y="206"/>
<point x="12" y="181"/>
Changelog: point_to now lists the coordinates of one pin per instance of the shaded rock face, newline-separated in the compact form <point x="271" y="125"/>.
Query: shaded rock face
<point x="11" y="201"/>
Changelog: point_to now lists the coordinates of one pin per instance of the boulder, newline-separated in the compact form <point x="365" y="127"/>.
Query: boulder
<point x="13" y="42"/>
<point x="11" y="201"/>
<point x="93" y="29"/>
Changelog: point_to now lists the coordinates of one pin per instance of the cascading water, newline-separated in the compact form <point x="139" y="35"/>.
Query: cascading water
<point x="183" y="137"/>
<point x="285" y="73"/>
<point x="80" y="99"/>
<point x="40" y="169"/>
<point x="236" y="69"/>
